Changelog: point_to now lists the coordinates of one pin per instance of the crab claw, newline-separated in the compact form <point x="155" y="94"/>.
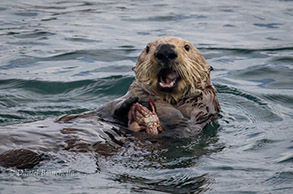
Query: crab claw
<point x="152" y="103"/>
<point x="132" y="124"/>
<point x="160" y="128"/>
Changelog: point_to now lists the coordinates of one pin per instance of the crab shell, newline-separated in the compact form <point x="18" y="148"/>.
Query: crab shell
<point x="141" y="118"/>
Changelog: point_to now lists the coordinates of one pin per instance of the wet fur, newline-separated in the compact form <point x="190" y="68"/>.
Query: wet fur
<point x="191" y="66"/>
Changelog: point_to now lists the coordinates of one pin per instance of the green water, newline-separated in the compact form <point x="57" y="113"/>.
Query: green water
<point x="59" y="57"/>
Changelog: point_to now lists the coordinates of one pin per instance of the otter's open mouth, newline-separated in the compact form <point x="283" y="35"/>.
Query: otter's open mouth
<point x="167" y="80"/>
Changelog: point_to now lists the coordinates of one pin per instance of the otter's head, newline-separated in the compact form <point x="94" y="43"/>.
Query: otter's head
<point x="172" y="67"/>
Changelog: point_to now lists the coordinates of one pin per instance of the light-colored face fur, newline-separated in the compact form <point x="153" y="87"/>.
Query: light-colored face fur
<point x="190" y="65"/>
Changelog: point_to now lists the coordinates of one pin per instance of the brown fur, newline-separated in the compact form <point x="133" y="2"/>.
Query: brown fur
<point x="191" y="66"/>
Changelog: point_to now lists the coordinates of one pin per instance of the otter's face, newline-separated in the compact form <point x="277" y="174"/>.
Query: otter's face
<point x="172" y="65"/>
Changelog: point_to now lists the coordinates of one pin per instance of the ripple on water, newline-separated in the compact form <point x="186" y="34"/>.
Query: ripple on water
<point x="285" y="100"/>
<point x="35" y="99"/>
<point x="35" y="34"/>
<point x="244" y="106"/>
<point x="262" y="144"/>
<point x="107" y="55"/>
<point x="179" y="182"/>
<point x="284" y="178"/>
<point x="267" y="76"/>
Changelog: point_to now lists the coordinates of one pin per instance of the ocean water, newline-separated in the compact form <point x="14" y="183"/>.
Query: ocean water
<point x="60" y="57"/>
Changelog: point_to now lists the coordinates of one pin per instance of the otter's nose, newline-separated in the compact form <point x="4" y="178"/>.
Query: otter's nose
<point x="165" y="53"/>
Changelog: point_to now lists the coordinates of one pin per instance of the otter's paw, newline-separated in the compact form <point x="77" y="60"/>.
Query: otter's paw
<point x="122" y="112"/>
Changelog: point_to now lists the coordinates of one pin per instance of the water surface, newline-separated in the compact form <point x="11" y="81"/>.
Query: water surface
<point x="60" y="57"/>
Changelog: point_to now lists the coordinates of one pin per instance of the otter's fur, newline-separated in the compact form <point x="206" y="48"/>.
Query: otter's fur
<point x="192" y="102"/>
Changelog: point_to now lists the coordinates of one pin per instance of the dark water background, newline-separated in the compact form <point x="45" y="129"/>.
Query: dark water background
<point x="60" y="57"/>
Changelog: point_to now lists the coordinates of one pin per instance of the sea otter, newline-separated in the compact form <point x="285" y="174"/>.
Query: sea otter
<point x="175" y="76"/>
<point x="172" y="92"/>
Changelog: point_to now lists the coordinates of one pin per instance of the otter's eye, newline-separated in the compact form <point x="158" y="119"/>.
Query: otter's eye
<point x="186" y="47"/>
<point x="147" y="49"/>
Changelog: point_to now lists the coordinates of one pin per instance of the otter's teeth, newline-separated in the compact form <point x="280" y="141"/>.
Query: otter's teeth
<point x="172" y="83"/>
<point x="164" y="85"/>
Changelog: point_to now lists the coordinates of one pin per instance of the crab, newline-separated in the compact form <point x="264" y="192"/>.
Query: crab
<point x="141" y="118"/>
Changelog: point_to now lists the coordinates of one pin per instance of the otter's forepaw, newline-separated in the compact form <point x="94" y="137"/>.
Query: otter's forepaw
<point x="122" y="112"/>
